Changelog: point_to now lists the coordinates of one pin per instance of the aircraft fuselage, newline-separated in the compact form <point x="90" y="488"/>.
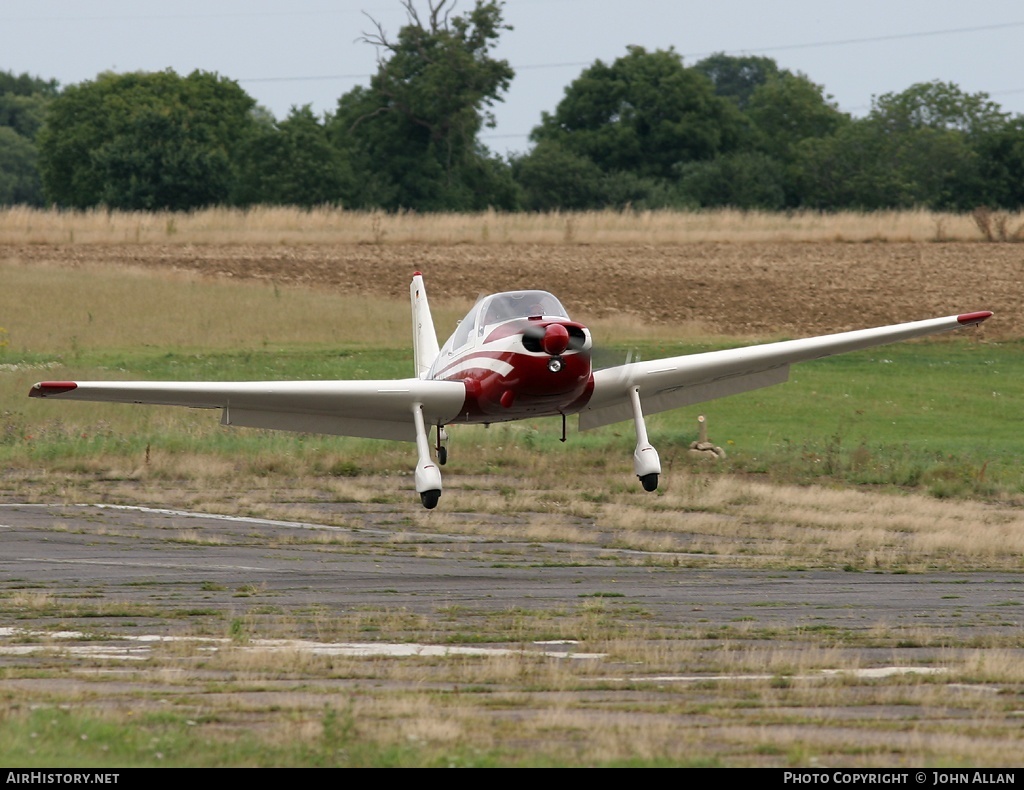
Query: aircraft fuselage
<point x="519" y="355"/>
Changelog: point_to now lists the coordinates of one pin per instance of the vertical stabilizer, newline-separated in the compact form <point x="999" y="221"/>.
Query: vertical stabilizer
<point x="424" y="338"/>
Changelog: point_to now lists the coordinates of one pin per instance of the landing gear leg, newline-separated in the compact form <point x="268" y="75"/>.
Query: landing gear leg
<point x="428" y="476"/>
<point x="441" y="447"/>
<point x="646" y="463"/>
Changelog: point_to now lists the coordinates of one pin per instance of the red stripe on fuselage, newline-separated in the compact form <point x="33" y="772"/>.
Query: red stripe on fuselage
<point x="519" y="326"/>
<point x="536" y="390"/>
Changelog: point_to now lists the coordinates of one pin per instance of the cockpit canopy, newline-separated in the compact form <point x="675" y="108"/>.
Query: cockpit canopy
<point x="498" y="308"/>
<point x="520" y="304"/>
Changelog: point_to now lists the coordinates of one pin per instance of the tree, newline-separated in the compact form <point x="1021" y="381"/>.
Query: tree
<point x="788" y="108"/>
<point x="737" y="78"/>
<point x="743" y="180"/>
<point x="847" y="170"/>
<point x="412" y="136"/>
<point x="292" y="162"/>
<point x="144" y="141"/>
<point x="937" y="105"/>
<point x="23" y="101"/>
<point x="19" y="175"/>
<point x="1001" y="166"/>
<point x="865" y="167"/>
<point x="931" y="146"/>
<point x="782" y="111"/>
<point x="940" y="139"/>
<point x="643" y="114"/>
<point x="554" y="179"/>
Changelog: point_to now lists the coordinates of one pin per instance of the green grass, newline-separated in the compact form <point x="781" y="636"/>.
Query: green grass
<point x="54" y="738"/>
<point x="278" y="363"/>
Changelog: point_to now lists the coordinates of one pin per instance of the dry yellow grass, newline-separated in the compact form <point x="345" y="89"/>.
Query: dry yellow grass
<point x="262" y="225"/>
<point x="121" y="307"/>
<point x="185" y="311"/>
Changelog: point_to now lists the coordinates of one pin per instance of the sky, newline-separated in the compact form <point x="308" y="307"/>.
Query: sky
<point x="287" y="53"/>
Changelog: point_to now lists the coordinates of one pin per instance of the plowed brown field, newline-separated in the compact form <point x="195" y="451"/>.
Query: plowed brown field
<point x="761" y="289"/>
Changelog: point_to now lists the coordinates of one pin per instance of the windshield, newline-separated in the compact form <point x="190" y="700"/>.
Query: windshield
<point x="520" y="304"/>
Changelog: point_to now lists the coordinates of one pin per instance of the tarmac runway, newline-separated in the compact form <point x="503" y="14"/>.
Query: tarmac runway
<point x="187" y="561"/>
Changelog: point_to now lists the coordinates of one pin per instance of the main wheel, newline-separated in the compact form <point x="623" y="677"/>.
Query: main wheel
<point x="649" y="482"/>
<point x="442" y="455"/>
<point x="429" y="498"/>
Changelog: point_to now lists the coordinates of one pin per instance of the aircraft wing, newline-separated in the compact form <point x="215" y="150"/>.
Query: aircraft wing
<point x="370" y="409"/>
<point x="674" y="382"/>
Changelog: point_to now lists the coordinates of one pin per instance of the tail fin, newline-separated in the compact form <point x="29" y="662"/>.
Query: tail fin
<point x="424" y="338"/>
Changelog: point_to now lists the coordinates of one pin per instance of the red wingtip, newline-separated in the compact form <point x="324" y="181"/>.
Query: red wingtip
<point x="417" y="274"/>
<point x="46" y="388"/>
<point x="968" y="319"/>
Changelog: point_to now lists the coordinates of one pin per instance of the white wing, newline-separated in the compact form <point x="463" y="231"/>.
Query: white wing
<point x="683" y="381"/>
<point x="371" y="409"/>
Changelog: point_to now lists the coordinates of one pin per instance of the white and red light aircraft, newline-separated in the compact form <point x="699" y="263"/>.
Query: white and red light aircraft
<point x="516" y="355"/>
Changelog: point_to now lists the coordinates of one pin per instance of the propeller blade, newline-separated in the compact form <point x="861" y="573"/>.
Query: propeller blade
<point x="576" y="342"/>
<point x="534" y="334"/>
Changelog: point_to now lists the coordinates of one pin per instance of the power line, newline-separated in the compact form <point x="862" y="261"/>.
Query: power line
<point x="525" y="135"/>
<point x="319" y="78"/>
<point x="778" y="48"/>
<point x="872" y="39"/>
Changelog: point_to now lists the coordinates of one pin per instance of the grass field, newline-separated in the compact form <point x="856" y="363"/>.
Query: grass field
<point x="902" y="460"/>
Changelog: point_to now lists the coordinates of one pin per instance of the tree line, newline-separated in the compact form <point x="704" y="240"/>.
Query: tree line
<point x="643" y="132"/>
